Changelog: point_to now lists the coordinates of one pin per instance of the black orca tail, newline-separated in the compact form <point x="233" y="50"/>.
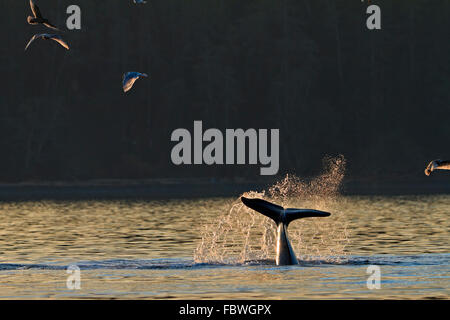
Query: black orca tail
<point x="280" y="214"/>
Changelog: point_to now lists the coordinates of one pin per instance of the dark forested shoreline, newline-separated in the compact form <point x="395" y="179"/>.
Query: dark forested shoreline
<point x="161" y="189"/>
<point x="310" y="68"/>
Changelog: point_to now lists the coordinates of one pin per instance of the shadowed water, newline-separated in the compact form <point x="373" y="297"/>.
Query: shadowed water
<point x="147" y="249"/>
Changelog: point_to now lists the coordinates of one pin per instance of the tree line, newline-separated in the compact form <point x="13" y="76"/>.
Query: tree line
<point x="310" y="68"/>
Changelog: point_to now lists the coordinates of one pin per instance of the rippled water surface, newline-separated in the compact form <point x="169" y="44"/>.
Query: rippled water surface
<point x="146" y="249"/>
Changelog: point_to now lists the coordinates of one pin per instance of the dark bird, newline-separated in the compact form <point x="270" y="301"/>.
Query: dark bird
<point x="437" y="165"/>
<point x="47" y="36"/>
<point x="130" y="78"/>
<point x="38" y="18"/>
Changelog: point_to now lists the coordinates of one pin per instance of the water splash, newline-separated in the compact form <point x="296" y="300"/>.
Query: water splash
<point x="243" y="235"/>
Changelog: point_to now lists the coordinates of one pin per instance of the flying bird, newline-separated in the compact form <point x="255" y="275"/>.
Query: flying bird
<point x="47" y="36"/>
<point x="130" y="78"/>
<point x="38" y="18"/>
<point x="437" y="165"/>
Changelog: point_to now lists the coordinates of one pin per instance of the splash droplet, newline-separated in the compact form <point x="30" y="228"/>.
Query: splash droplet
<point x="243" y="235"/>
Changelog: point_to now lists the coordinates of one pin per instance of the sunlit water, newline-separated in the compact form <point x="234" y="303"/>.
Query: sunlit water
<point x="150" y="249"/>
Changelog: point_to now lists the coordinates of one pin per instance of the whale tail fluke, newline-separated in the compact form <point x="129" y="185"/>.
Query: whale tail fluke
<point x="280" y="214"/>
<point x="264" y="207"/>
<point x="282" y="217"/>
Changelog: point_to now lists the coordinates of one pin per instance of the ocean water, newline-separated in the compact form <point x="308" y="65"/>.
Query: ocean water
<point x="212" y="249"/>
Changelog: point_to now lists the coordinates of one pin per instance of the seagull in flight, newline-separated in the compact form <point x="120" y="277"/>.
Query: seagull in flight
<point x="130" y="78"/>
<point x="47" y="36"/>
<point x="38" y="18"/>
<point x="437" y="165"/>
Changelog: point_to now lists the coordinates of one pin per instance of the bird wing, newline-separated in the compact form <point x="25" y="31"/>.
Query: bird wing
<point x="128" y="83"/>
<point x="49" y="25"/>
<point x="130" y="78"/>
<point x="35" y="10"/>
<point x="32" y="39"/>
<point x="433" y="165"/>
<point x="60" y="41"/>
<point x="444" y="165"/>
<point x="429" y="169"/>
<point x="131" y="74"/>
<point x="126" y="76"/>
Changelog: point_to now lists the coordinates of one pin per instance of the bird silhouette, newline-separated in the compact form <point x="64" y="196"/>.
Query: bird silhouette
<point x="38" y="18"/>
<point x="437" y="165"/>
<point x="47" y="36"/>
<point x="130" y="78"/>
